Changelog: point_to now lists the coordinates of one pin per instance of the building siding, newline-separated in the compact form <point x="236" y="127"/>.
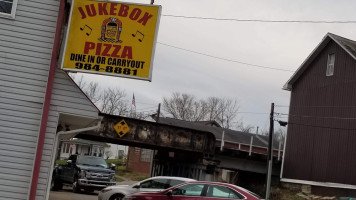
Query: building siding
<point x="25" y="54"/>
<point x="321" y="138"/>
<point x="66" y="99"/>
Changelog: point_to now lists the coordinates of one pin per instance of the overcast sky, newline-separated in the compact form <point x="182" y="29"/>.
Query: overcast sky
<point x="276" y="45"/>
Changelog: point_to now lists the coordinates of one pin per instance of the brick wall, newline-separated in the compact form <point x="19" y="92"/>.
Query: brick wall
<point x="134" y="162"/>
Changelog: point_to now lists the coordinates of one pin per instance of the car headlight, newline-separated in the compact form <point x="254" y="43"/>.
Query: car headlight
<point x="82" y="174"/>
<point x="106" y="190"/>
<point x="112" y="177"/>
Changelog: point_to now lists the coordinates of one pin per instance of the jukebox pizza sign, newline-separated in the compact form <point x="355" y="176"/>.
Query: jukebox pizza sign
<point x="111" y="38"/>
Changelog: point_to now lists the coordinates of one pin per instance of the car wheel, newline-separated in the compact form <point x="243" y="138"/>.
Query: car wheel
<point x="117" y="197"/>
<point x="56" y="184"/>
<point x="76" y="187"/>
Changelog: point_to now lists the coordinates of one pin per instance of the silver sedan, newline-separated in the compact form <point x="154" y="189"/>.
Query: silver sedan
<point x="153" y="184"/>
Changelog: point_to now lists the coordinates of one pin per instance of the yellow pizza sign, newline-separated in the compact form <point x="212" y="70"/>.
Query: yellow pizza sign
<point x="111" y="38"/>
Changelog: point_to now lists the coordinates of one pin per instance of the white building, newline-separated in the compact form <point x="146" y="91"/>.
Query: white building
<point x="119" y="151"/>
<point x="36" y="98"/>
<point x="83" y="147"/>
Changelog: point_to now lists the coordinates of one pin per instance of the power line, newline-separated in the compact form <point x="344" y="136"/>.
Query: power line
<point x="256" y="113"/>
<point x="229" y="60"/>
<point x="244" y="63"/>
<point x="264" y="20"/>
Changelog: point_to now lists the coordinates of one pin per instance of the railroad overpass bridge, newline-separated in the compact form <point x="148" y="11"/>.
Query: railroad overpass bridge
<point x="199" y="148"/>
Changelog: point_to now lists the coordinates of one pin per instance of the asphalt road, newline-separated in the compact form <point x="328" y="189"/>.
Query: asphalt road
<point x="67" y="194"/>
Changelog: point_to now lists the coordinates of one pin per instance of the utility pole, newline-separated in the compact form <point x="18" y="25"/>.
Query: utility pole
<point x="270" y="153"/>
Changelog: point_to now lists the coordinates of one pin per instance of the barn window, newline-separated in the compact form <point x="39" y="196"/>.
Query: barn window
<point x="8" y="8"/>
<point x="330" y="65"/>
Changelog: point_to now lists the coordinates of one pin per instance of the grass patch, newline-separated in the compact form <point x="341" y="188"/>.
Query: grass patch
<point x="284" y="194"/>
<point x="134" y="176"/>
<point x="61" y="162"/>
<point x="138" y="177"/>
<point x="117" y="162"/>
<point x="119" y="179"/>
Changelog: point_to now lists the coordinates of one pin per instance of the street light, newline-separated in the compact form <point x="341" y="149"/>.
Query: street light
<point x="282" y="123"/>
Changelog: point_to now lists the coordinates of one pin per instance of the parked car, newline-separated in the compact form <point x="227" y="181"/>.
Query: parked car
<point x="83" y="172"/>
<point x="153" y="184"/>
<point x="198" y="190"/>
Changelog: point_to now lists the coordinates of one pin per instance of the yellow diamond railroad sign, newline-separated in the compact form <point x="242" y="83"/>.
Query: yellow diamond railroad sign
<point x="121" y="128"/>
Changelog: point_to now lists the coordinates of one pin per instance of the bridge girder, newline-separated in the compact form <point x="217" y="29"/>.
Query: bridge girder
<point x="153" y="135"/>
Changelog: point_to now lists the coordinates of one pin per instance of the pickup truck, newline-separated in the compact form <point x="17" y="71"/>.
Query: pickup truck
<point x="83" y="172"/>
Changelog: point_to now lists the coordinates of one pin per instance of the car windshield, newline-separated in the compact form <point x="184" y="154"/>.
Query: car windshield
<point x="92" y="161"/>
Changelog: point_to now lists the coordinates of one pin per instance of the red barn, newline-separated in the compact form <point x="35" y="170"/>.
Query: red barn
<point x="320" y="145"/>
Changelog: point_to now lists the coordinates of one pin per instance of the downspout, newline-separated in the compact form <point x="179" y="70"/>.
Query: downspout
<point x="47" y="103"/>
<point x="96" y="127"/>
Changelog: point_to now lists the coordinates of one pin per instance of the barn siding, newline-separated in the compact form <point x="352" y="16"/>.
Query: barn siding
<point x="316" y="153"/>
<point x="25" y="54"/>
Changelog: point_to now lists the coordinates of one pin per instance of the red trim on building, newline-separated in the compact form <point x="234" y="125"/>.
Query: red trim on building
<point x="47" y="103"/>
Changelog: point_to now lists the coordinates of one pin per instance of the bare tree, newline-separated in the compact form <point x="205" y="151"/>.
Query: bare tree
<point x="227" y="112"/>
<point x="245" y="128"/>
<point x="213" y="104"/>
<point x="138" y="115"/>
<point x="79" y="80"/>
<point x="112" y="101"/>
<point x="199" y="110"/>
<point x="180" y="106"/>
<point x="93" y="92"/>
<point x="264" y="132"/>
<point x="187" y="107"/>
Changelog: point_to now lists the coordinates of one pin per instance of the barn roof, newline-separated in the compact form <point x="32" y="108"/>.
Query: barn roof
<point x="348" y="45"/>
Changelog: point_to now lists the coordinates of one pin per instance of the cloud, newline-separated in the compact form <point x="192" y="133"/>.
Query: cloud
<point x="280" y="45"/>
